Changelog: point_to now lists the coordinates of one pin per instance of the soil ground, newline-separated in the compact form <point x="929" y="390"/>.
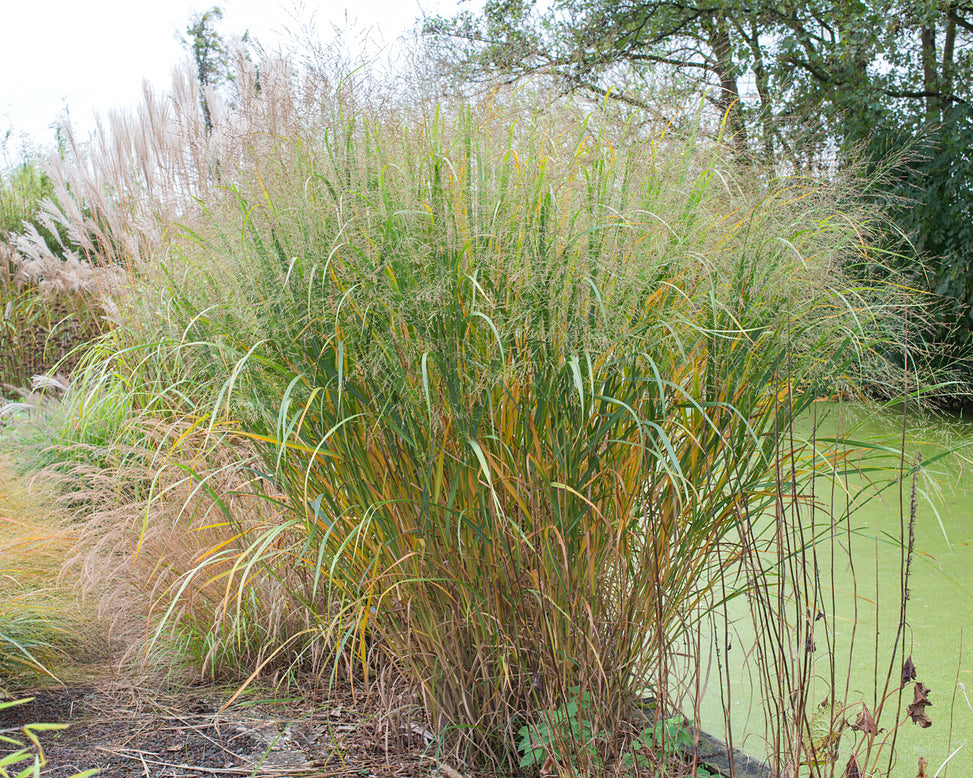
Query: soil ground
<point x="129" y="732"/>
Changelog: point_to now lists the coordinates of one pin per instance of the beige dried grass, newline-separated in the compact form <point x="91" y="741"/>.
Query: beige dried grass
<point x="170" y="536"/>
<point x="38" y="607"/>
<point x="143" y="173"/>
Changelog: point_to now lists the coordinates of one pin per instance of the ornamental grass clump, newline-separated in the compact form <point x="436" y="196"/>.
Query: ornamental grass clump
<point x="520" y="376"/>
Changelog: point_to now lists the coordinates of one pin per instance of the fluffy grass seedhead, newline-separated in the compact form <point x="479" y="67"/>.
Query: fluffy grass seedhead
<point x="45" y="315"/>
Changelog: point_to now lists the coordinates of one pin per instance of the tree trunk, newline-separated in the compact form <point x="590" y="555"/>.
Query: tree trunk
<point x="948" y="67"/>
<point x="930" y="75"/>
<point x="729" y="98"/>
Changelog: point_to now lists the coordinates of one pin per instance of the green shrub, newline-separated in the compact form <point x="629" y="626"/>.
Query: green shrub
<point x="21" y="191"/>
<point x="47" y="306"/>
<point x="41" y="332"/>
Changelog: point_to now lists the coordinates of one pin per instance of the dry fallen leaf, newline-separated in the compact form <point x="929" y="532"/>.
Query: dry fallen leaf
<point x="917" y="710"/>
<point x="865" y="723"/>
<point x="922" y="768"/>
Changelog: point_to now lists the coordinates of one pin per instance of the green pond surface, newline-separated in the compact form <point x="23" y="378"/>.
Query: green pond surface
<point x="939" y="635"/>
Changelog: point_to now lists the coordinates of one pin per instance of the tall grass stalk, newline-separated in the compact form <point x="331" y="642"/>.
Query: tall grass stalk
<point x="524" y="377"/>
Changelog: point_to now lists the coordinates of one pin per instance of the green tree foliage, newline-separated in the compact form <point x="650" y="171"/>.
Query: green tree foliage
<point x="803" y="85"/>
<point x="210" y="55"/>
<point x="589" y="44"/>
<point x="892" y="80"/>
<point x="931" y="205"/>
<point x="847" y="64"/>
<point x="21" y="191"/>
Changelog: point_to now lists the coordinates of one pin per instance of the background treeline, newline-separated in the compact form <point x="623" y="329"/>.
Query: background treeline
<point x="803" y="86"/>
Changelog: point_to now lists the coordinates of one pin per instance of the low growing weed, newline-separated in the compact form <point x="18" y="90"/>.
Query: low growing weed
<point x="567" y="736"/>
<point x="26" y="747"/>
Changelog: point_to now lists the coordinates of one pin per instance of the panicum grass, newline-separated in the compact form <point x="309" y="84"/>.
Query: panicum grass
<point x="498" y="399"/>
<point x="519" y="376"/>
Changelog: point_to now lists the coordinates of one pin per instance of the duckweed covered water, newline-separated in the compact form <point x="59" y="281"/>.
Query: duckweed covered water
<point x="866" y="587"/>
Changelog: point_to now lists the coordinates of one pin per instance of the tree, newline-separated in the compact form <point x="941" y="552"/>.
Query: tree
<point x="804" y="84"/>
<point x="903" y="93"/>
<point x="210" y="54"/>
<point x="769" y="65"/>
<point x="589" y="44"/>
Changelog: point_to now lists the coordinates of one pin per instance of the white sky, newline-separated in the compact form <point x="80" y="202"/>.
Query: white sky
<point x="92" y="55"/>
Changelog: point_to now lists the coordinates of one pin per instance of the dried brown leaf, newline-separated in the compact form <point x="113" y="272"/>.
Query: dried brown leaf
<point x="917" y="710"/>
<point x="549" y="768"/>
<point x="865" y="723"/>
<point x="908" y="671"/>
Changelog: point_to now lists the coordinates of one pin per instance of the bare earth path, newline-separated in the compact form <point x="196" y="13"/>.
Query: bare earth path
<point x="128" y="732"/>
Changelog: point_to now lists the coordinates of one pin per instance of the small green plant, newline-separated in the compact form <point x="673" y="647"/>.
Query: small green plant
<point x="571" y="727"/>
<point x="668" y="737"/>
<point x="672" y="738"/>
<point x="27" y="747"/>
<point x="569" y="723"/>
